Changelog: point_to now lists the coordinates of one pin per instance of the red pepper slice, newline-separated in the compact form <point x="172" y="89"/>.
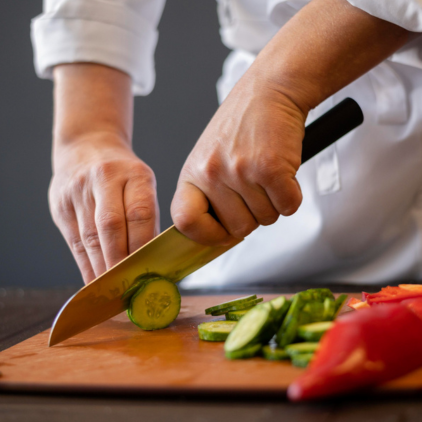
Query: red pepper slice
<point x="392" y="295"/>
<point x="363" y="349"/>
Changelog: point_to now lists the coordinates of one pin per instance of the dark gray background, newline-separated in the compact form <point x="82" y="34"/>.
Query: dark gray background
<point x="168" y="122"/>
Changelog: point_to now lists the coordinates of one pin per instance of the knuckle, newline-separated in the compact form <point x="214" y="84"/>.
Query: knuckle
<point x="77" y="246"/>
<point x="91" y="240"/>
<point x="211" y="171"/>
<point x="104" y="170"/>
<point x="185" y="222"/>
<point x="240" y="167"/>
<point x="267" y="220"/>
<point x="109" y="221"/>
<point x="244" y="230"/>
<point x="77" y="183"/>
<point x="138" y="213"/>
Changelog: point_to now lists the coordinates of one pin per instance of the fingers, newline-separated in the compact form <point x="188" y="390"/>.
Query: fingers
<point x="189" y="210"/>
<point x="110" y="222"/>
<point x="85" y="215"/>
<point x="142" y="212"/>
<point x="65" y="218"/>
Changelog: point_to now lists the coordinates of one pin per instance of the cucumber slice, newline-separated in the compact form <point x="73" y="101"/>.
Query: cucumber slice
<point x="340" y="301"/>
<point x="274" y="353"/>
<point x="313" y="332"/>
<point x="215" y="331"/>
<point x="237" y="307"/>
<point x="155" y="305"/>
<point x="280" y="306"/>
<point x="302" y="360"/>
<point x="246" y="353"/>
<point x="294" y="318"/>
<point x="237" y="315"/>
<point x="301" y="348"/>
<point x="230" y="303"/>
<point x="255" y="327"/>
<point x="138" y="282"/>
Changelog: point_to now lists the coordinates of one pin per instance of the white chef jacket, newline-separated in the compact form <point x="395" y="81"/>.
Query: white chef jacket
<point x="361" y="216"/>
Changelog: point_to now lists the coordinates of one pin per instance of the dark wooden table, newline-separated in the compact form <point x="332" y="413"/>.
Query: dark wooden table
<point x="25" y="312"/>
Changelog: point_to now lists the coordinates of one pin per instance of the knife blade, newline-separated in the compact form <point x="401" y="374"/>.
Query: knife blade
<point x="171" y="254"/>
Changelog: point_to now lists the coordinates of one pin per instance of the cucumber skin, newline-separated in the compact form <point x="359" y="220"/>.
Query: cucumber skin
<point x="245" y="353"/>
<point x="302" y="360"/>
<point x="237" y="315"/>
<point x="206" y="336"/>
<point x="139" y="291"/>
<point x="311" y="336"/>
<point x="239" y="307"/>
<point x="271" y="353"/>
<point x="313" y="305"/>
<point x="215" y="308"/>
<point x="297" y="349"/>
<point x="262" y="335"/>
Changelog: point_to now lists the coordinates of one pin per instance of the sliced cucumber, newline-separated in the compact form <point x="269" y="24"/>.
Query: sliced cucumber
<point x="138" y="282"/>
<point x="246" y="353"/>
<point x="237" y="307"/>
<point x="280" y="306"/>
<point x="301" y="348"/>
<point x="340" y="301"/>
<point x="274" y="353"/>
<point x="251" y="329"/>
<point x="236" y="315"/>
<point x="294" y="318"/>
<point x="230" y="303"/>
<point x="215" y="331"/>
<point x="302" y="360"/>
<point x="155" y="305"/>
<point x="313" y="332"/>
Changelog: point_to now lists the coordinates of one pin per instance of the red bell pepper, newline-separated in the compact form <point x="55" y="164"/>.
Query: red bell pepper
<point x="363" y="349"/>
<point x="391" y="294"/>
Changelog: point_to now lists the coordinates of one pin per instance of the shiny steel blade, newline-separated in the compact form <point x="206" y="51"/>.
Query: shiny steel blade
<point x="171" y="254"/>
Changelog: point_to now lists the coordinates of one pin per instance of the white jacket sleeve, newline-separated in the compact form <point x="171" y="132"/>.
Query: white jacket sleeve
<point x="117" y="33"/>
<point x="404" y="13"/>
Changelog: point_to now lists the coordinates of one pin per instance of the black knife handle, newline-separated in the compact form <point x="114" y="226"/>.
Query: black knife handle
<point x="330" y="127"/>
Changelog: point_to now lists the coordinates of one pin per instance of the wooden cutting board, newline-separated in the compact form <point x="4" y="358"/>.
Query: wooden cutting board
<point x="119" y="358"/>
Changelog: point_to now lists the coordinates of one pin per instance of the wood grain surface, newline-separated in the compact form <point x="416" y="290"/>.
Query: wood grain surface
<point x="117" y="357"/>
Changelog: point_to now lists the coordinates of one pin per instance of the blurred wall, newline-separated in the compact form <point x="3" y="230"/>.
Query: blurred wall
<point x="168" y="122"/>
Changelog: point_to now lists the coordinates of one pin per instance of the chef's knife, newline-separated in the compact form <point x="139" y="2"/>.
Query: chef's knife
<point x="171" y="254"/>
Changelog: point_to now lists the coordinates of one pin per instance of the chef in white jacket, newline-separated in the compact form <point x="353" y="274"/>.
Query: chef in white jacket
<point x="354" y="211"/>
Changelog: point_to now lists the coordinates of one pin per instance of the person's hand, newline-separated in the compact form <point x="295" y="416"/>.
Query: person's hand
<point x="103" y="199"/>
<point x="244" y="166"/>
<point x="245" y="162"/>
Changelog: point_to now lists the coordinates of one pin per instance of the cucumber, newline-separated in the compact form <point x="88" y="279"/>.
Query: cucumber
<point x="246" y="353"/>
<point x="237" y="307"/>
<point x="313" y="305"/>
<point x="294" y="318"/>
<point x="215" y="331"/>
<point x="313" y="332"/>
<point x="302" y="360"/>
<point x="138" y="282"/>
<point x="280" y="306"/>
<point x="274" y="353"/>
<point x="340" y="301"/>
<point x="301" y="348"/>
<point x="230" y="303"/>
<point x="236" y="315"/>
<point x="155" y="305"/>
<point x="255" y="327"/>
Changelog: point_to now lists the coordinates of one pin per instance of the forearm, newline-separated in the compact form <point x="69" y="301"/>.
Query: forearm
<point x="91" y="99"/>
<point x="323" y="48"/>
